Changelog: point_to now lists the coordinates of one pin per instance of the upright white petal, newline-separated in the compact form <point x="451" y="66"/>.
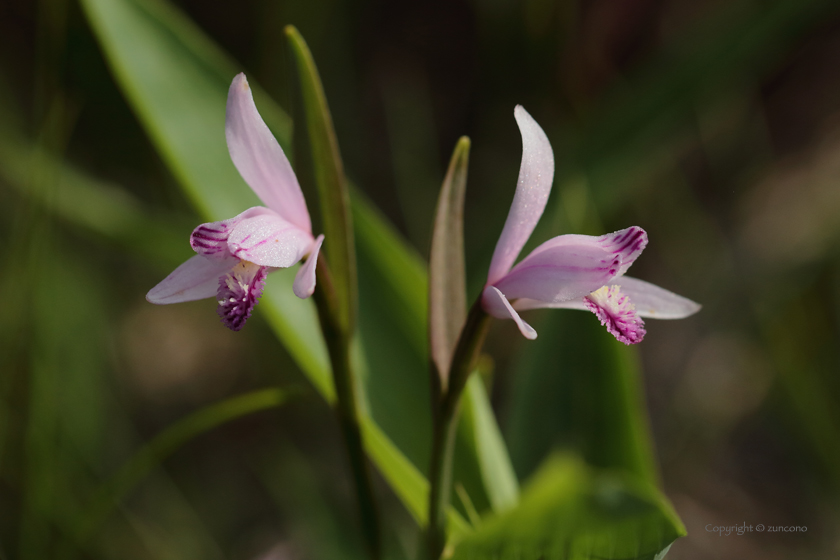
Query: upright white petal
<point x="260" y="159"/>
<point x="269" y="240"/>
<point x="536" y="173"/>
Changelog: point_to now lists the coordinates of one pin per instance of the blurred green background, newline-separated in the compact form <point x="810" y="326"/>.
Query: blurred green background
<point x="713" y="125"/>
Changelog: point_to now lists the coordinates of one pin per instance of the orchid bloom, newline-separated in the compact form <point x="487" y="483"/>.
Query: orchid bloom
<point x="235" y="255"/>
<point x="569" y="271"/>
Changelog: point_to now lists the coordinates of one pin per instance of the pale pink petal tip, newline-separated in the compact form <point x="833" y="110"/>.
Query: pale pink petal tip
<point x="627" y="243"/>
<point x="210" y="240"/>
<point x="196" y="278"/>
<point x="536" y="172"/>
<point x="238" y="293"/>
<point x="496" y="304"/>
<point x="654" y="302"/>
<point x="617" y="313"/>
<point x="260" y="159"/>
<point x="304" y="285"/>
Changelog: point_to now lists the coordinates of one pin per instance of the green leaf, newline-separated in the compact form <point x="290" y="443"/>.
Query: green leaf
<point x="329" y="176"/>
<point x="580" y="389"/>
<point x="413" y="488"/>
<point x="570" y="512"/>
<point x="479" y="429"/>
<point x="447" y="277"/>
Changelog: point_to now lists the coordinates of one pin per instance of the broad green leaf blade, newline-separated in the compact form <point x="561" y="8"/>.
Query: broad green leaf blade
<point x="447" y="277"/>
<point x="333" y="194"/>
<point x="412" y="487"/>
<point x="569" y="512"/>
<point x="580" y="389"/>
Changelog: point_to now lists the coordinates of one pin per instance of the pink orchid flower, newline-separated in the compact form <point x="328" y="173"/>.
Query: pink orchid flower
<point x="235" y="255"/>
<point x="569" y="271"/>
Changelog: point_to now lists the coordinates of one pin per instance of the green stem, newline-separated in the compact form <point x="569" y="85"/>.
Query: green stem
<point x="338" y="341"/>
<point x="446" y="424"/>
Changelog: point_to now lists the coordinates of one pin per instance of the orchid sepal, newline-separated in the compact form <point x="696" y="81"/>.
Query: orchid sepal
<point x="536" y="172"/>
<point x="651" y="301"/>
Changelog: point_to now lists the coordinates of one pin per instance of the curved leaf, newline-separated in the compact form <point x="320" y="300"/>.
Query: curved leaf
<point x="569" y="512"/>
<point x="334" y="197"/>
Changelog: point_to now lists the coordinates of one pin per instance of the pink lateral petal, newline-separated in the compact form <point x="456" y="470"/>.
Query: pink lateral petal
<point x="211" y="239"/>
<point x="304" y="285"/>
<point x="536" y="173"/>
<point x="496" y="304"/>
<point x="617" y="313"/>
<point x="654" y="302"/>
<point x="560" y="273"/>
<point x="269" y="240"/>
<point x="260" y="159"/>
<point x="196" y="278"/>
<point x="238" y="292"/>
<point x="524" y="304"/>
<point x="651" y="301"/>
<point x="626" y="243"/>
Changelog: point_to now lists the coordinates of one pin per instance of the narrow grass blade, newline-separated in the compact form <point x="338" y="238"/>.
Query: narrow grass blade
<point x="333" y="194"/>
